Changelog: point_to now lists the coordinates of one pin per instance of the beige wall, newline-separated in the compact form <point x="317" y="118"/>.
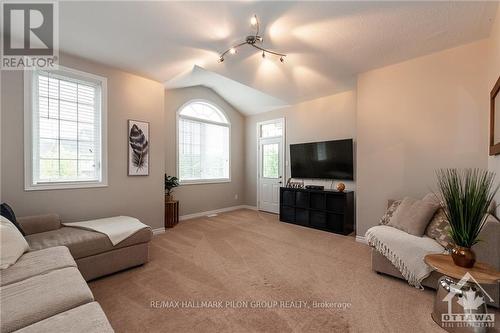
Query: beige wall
<point x="493" y="74"/>
<point x="415" y="117"/>
<point x="206" y="197"/>
<point x="327" y="118"/>
<point x="407" y="119"/>
<point x="129" y="96"/>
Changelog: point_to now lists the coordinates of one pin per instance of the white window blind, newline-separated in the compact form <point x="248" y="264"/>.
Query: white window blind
<point x="66" y="129"/>
<point x="203" y="138"/>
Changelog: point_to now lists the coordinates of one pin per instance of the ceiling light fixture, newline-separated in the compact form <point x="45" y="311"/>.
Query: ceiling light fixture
<point x="253" y="41"/>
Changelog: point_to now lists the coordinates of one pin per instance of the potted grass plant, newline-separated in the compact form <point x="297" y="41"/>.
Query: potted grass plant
<point x="466" y="196"/>
<point x="171" y="182"/>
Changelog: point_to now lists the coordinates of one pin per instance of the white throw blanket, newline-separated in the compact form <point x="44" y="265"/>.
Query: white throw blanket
<point x="116" y="228"/>
<point x="404" y="251"/>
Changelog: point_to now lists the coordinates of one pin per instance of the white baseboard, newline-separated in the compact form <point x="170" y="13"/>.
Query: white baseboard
<point x="215" y="211"/>
<point x="158" y="231"/>
<point x="361" y="239"/>
<point x="248" y="207"/>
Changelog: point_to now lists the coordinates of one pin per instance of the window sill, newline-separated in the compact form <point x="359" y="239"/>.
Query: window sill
<point x="62" y="186"/>
<point x="204" y="182"/>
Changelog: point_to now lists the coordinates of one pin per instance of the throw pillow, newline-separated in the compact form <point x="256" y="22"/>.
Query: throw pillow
<point x="7" y="212"/>
<point x="389" y="212"/>
<point x="439" y="229"/>
<point x="432" y="198"/>
<point x="413" y="216"/>
<point x="12" y="243"/>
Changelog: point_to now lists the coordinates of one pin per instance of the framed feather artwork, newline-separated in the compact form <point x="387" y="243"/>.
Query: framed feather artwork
<point x="138" y="148"/>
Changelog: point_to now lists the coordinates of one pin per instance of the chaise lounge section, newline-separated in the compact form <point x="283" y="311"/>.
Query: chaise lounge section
<point x="93" y="252"/>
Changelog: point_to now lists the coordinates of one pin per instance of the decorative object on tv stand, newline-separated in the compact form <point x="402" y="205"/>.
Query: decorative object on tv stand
<point x="254" y="41"/>
<point x="294" y="184"/>
<point x="171" y="182"/>
<point x="138" y="148"/>
<point x="467" y="195"/>
<point x="341" y="187"/>
<point x="315" y="187"/>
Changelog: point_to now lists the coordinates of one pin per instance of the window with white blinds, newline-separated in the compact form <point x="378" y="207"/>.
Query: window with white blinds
<point x="203" y="139"/>
<point x="67" y="136"/>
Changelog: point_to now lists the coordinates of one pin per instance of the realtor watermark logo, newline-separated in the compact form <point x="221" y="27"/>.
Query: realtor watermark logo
<point x="30" y="36"/>
<point x="471" y="310"/>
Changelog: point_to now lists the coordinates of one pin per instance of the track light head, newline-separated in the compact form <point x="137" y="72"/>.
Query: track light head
<point x="282" y="59"/>
<point x="221" y="59"/>
<point x="263" y="54"/>
<point x="253" y="20"/>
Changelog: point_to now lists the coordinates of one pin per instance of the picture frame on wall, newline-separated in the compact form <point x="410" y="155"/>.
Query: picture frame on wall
<point x="138" y="148"/>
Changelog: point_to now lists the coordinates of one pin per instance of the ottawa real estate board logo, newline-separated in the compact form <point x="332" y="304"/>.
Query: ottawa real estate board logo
<point x="466" y="306"/>
<point x="30" y="37"/>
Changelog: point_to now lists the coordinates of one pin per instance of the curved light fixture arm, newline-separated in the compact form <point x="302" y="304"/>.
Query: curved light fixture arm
<point x="268" y="51"/>
<point x="234" y="47"/>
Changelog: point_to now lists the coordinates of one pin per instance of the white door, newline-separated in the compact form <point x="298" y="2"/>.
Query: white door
<point x="270" y="165"/>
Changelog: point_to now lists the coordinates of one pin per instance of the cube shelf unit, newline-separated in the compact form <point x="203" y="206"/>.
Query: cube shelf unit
<point x="320" y="209"/>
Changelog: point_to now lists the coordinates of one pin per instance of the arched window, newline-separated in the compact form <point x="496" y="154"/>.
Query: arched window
<point x="203" y="143"/>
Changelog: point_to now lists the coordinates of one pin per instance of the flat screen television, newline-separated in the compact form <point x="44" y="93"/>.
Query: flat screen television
<point x="323" y="160"/>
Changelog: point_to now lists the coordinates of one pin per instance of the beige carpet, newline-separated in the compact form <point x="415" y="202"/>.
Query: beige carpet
<point x="240" y="272"/>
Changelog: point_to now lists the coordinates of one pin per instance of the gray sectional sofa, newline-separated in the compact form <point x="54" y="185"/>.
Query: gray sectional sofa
<point x="46" y="289"/>
<point x="45" y="292"/>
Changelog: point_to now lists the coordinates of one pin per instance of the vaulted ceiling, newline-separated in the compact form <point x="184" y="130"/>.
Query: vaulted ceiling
<point x="328" y="43"/>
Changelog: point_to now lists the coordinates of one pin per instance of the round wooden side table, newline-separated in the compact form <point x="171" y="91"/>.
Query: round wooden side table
<point x="459" y="306"/>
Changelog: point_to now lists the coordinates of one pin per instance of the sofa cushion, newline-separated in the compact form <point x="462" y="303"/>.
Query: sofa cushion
<point x="29" y="301"/>
<point x="83" y="243"/>
<point x="390" y="212"/>
<point x="87" y="318"/>
<point x="12" y="243"/>
<point x="432" y="198"/>
<point x="439" y="229"/>
<point x="39" y="223"/>
<point x="37" y="262"/>
<point x="413" y="216"/>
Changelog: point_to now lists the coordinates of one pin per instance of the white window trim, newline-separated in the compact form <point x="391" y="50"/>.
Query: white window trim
<point x="29" y="100"/>
<point x="272" y="121"/>
<point x="178" y="116"/>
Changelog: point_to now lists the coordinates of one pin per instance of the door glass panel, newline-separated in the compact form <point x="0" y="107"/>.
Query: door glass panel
<point x="271" y="130"/>
<point x="270" y="160"/>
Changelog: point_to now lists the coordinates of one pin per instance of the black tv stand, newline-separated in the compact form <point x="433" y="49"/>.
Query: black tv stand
<point x="320" y="209"/>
